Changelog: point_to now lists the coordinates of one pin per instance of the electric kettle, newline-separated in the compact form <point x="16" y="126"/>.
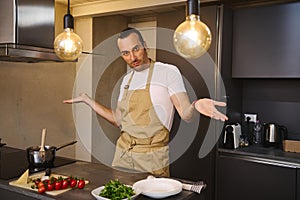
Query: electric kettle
<point x="273" y="135"/>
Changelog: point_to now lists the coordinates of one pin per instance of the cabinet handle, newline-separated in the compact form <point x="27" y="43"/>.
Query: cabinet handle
<point x="266" y="161"/>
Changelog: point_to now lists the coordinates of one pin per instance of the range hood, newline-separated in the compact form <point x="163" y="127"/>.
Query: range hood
<point x="27" y="29"/>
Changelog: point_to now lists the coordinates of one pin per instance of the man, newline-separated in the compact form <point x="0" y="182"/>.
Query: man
<point x="145" y="109"/>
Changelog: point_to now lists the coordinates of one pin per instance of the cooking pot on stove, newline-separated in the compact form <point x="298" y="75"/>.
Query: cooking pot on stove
<point x="274" y="134"/>
<point x="36" y="160"/>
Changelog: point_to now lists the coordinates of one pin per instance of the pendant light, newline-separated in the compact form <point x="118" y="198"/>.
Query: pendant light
<point x="192" y="38"/>
<point x="68" y="45"/>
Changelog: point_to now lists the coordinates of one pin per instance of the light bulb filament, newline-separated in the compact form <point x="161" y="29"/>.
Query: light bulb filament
<point x="68" y="44"/>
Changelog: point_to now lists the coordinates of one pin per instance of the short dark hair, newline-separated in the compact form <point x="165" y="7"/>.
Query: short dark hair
<point x="127" y="31"/>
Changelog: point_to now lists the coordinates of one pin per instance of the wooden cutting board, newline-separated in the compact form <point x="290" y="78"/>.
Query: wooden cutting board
<point x="22" y="183"/>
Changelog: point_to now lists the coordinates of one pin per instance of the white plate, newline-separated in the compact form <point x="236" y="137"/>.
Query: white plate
<point x="158" y="188"/>
<point x="97" y="191"/>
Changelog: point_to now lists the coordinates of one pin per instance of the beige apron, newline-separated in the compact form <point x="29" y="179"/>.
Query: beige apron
<point x="143" y="144"/>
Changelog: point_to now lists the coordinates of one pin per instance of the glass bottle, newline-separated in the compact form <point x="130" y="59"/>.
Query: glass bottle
<point x="257" y="139"/>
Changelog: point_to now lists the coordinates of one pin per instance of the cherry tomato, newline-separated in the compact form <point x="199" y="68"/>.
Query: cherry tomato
<point x="42" y="190"/>
<point x="81" y="184"/>
<point x="37" y="181"/>
<point x="68" y="179"/>
<point x="58" y="185"/>
<point x="40" y="184"/>
<point x="50" y="186"/>
<point x="64" y="184"/>
<point x="46" y="181"/>
<point x="73" y="183"/>
<point x="53" y="179"/>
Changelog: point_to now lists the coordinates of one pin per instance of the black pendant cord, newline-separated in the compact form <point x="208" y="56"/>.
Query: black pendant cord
<point x="69" y="7"/>
<point x="68" y="19"/>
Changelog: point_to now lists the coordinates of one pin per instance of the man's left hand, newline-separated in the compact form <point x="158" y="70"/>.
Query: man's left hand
<point x="208" y="107"/>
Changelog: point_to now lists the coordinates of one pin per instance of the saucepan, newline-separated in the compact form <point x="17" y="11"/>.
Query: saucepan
<point x="36" y="160"/>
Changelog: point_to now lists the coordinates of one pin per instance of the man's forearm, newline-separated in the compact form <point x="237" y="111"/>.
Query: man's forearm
<point x="103" y="111"/>
<point x="189" y="112"/>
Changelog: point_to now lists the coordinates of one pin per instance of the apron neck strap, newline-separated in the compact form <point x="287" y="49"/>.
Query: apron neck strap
<point x="148" y="79"/>
<point x="150" y="74"/>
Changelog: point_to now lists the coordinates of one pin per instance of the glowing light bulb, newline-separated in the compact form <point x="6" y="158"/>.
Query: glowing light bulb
<point x="192" y="38"/>
<point x="68" y="45"/>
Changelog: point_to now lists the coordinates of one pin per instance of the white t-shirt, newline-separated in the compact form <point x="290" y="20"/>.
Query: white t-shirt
<point x="166" y="81"/>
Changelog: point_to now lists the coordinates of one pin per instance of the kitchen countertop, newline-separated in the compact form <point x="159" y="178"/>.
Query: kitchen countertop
<point x="97" y="174"/>
<point x="269" y="155"/>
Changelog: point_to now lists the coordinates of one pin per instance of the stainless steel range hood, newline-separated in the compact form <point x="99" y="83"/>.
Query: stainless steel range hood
<point x="27" y="30"/>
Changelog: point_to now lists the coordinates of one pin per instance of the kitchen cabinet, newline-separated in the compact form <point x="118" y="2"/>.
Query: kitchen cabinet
<point x="265" y="41"/>
<point x="248" y="178"/>
<point x="298" y="181"/>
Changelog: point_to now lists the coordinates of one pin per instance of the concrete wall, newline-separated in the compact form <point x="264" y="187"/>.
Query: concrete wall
<point x="31" y="99"/>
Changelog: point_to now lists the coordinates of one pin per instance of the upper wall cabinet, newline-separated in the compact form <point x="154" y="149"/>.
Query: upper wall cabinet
<point x="266" y="42"/>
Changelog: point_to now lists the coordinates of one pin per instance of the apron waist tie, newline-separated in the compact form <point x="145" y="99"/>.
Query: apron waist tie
<point x="155" y="141"/>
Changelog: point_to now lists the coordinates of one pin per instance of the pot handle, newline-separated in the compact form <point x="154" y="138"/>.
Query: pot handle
<point x="65" y="145"/>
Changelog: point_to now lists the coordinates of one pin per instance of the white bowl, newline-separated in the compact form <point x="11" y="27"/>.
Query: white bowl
<point x="97" y="191"/>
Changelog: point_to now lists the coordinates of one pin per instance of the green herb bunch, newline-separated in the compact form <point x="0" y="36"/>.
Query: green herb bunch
<point x="115" y="190"/>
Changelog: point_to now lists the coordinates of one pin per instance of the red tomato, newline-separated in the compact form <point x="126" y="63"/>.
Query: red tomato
<point x="37" y="181"/>
<point x="53" y="179"/>
<point x="73" y="183"/>
<point x="58" y="185"/>
<point x="40" y="184"/>
<point x="64" y="184"/>
<point x="81" y="184"/>
<point x="42" y="190"/>
<point x="50" y="186"/>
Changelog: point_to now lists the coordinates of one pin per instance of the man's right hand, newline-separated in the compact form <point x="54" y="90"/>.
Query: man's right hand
<point x="82" y="98"/>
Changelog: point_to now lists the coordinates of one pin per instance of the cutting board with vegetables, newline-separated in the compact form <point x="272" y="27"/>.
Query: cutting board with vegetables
<point x="39" y="183"/>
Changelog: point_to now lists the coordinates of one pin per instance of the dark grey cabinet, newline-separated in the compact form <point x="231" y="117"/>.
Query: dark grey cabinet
<point x="248" y="179"/>
<point x="298" y="187"/>
<point x="266" y="41"/>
